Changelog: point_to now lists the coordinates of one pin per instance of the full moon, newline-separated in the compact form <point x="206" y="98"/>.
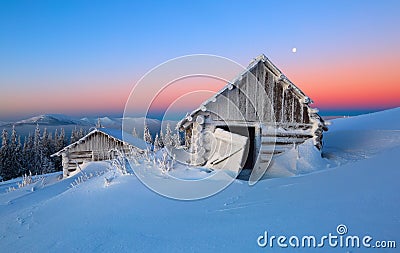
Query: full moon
<point x="294" y="50"/>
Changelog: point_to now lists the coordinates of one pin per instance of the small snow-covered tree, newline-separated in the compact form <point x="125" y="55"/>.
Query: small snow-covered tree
<point x="163" y="161"/>
<point x="5" y="151"/>
<point x="177" y="139"/>
<point x="81" y="133"/>
<point x="171" y="164"/>
<point x="45" y="142"/>
<point x="161" y="139"/>
<point x="55" y="140"/>
<point x="61" y="142"/>
<point x="168" y="137"/>
<point x="4" y="138"/>
<point x="37" y="151"/>
<point x="146" y="135"/>
<point x="28" y="154"/>
<point x="134" y="132"/>
<point x="10" y="155"/>
<point x="157" y="145"/>
<point x="15" y="155"/>
<point x="74" y="135"/>
<point x="58" y="143"/>
<point x="21" y="161"/>
<point x="98" y="124"/>
<point x="77" y="134"/>
<point x="47" y="165"/>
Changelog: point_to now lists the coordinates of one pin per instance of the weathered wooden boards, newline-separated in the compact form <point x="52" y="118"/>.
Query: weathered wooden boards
<point x="95" y="146"/>
<point x="261" y="97"/>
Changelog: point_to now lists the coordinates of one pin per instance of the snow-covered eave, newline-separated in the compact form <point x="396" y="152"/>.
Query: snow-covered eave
<point x="74" y="144"/>
<point x="189" y="117"/>
<point x="84" y="139"/>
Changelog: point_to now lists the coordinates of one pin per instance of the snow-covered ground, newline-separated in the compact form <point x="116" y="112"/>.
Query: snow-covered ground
<point x="85" y="214"/>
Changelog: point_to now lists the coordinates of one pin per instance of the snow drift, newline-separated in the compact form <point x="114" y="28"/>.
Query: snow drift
<point x="123" y="215"/>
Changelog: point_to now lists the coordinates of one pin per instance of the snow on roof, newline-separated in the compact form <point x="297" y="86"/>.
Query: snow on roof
<point x="128" y="138"/>
<point x="273" y="68"/>
<point x="114" y="133"/>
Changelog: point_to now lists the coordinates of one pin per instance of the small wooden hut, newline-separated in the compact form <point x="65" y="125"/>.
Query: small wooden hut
<point x="100" y="144"/>
<point x="263" y="105"/>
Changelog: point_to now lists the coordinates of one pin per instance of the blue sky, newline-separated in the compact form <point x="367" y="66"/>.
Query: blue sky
<point x="83" y="57"/>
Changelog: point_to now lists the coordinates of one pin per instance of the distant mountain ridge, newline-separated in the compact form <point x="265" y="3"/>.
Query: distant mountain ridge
<point x="49" y="119"/>
<point x="68" y="123"/>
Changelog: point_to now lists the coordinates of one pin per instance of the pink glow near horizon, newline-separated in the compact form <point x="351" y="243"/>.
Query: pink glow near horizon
<point x="367" y="82"/>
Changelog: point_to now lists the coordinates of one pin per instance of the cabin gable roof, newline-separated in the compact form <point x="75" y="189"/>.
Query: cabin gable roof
<point x="262" y="59"/>
<point x="115" y="134"/>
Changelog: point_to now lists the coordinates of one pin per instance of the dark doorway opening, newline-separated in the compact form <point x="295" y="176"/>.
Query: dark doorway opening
<point x="250" y="133"/>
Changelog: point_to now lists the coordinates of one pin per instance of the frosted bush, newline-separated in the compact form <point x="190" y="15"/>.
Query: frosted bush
<point x="166" y="164"/>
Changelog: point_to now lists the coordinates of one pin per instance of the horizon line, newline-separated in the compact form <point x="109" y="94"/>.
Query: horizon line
<point x="158" y="114"/>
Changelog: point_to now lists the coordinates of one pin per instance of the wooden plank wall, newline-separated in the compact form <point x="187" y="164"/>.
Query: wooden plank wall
<point x="247" y="102"/>
<point x="96" y="147"/>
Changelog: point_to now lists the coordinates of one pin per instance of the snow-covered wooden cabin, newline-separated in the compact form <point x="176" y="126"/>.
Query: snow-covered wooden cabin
<point x="263" y="105"/>
<point x="100" y="144"/>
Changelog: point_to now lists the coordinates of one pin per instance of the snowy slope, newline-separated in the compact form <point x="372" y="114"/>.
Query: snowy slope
<point x="383" y="120"/>
<point x="352" y="139"/>
<point x="125" y="216"/>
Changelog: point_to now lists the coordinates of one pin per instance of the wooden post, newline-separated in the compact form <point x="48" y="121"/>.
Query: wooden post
<point x="65" y="164"/>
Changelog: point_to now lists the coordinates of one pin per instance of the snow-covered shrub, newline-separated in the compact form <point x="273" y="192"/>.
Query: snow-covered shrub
<point x="26" y="180"/>
<point x="85" y="177"/>
<point x="29" y="179"/>
<point x="78" y="181"/>
<point x="165" y="163"/>
<point x="119" y="162"/>
<point x="149" y="156"/>
<point x="11" y="189"/>
<point x="162" y="162"/>
<point x="133" y="155"/>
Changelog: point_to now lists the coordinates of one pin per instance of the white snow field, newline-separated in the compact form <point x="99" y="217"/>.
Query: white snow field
<point x="360" y="190"/>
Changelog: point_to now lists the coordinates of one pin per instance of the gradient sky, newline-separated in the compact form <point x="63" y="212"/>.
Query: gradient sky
<point x="84" y="57"/>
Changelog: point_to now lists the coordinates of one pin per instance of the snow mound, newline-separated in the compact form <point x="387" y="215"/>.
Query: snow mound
<point x="383" y="120"/>
<point x="302" y="159"/>
<point x="361" y="137"/>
